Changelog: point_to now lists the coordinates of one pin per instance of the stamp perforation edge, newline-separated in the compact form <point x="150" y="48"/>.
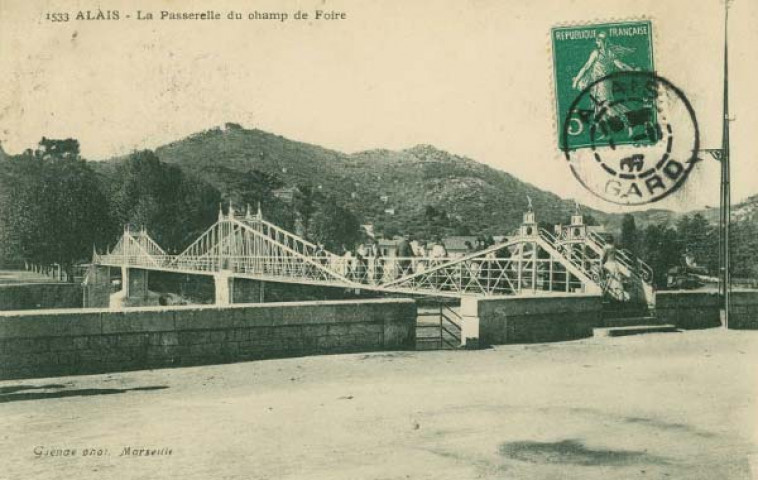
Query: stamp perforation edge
<point x="558" y="154"/>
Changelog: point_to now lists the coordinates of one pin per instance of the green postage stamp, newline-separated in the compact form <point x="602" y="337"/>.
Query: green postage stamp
<point x="582" y="56"/>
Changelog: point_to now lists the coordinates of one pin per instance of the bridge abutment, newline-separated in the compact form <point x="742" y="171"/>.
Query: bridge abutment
<point x="231" y="290"/>
<point x="245" y="290"/>
<point x="223" y="284"/>
<point x="470" y="323"/>
<point x="134" y="289"/>
<point x="529" y="319"/>
<point x="97" y="288"/>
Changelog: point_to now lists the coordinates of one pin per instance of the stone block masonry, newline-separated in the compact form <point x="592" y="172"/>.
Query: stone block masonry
<point x="688" y="309"/>
<point x="37" y="344"/>
<point x="25" y="296"/>
<point x="744" y="312"/>
<point x="529" y="319"/>
<point x="698" y="309"/>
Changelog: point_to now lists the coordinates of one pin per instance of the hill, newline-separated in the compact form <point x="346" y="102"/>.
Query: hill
<point x="418" y="189"/>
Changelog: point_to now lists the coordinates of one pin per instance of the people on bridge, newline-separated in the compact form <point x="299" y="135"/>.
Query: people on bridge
<point x="420" y="250"/>
<point x="321" y="258"/>
<point x="608" y="261"/>
<point x="346" y="263"/>
<point x="320" y="254"/>
<point x="360" y="264"/>
<point x="421" y="256"/>
<point x="438" y="249"/>
<point x="610" y="268"/>
<point x="376" y="264"/>
<point x="405" y="255"/>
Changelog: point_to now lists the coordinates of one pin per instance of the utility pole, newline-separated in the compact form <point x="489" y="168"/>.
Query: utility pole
<point x="726" y="197"/>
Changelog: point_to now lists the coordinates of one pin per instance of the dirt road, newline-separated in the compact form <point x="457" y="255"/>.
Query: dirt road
<point x="664" y="406"/>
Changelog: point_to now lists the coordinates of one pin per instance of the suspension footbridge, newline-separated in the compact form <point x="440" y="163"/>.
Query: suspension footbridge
<point x="531" y="262"/>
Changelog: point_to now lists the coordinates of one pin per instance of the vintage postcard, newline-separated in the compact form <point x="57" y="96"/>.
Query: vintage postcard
<point x="396" y="239"/>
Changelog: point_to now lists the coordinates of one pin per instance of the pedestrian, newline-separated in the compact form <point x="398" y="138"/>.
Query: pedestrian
<point x="438" y="249"/>
<point x="346" y="267"/>
<point x="321" y="255"/>
<point x="421" y="256"/>
<point x="360" y="264"/>
<point x="377" y="263"/>
<point x="405" y="255"/>
<point x="611" y="270"/>
<point x="438" y="256"/>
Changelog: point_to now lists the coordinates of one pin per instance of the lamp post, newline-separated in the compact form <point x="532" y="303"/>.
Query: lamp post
<point x="725" y="199"/>
<point x="725" y="203"/>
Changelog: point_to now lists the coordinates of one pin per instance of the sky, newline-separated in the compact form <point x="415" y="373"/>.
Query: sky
<point x="473" y="77"/>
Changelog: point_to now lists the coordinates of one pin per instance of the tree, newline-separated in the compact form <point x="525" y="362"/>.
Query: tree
<point x="699" y="239"/>
<point x="629" y="234"/>
<point x="335" y="226"/>
<point x="304" y="203"/>
<point x="20" y="207"/>
<point x="743" y="248"/>
<point x="590" y="220"/>
<point x="661" y="249"/>
<point x="51" y="148"/>
<point x="55" y="209"/>
<point x="172" y="206"/>
<point x="461" y="229"/>
<point x="391" y="231"/>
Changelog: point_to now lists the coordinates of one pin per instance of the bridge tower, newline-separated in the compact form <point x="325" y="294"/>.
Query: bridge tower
<point x="577" y="229"/>
<point x="529" y="227"/>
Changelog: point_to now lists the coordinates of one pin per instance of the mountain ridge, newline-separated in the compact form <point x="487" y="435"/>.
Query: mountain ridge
<point x="389" y="188"/>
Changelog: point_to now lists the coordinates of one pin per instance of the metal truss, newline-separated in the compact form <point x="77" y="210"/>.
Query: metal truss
<point x="632" y="278"/>
<point x="523" y="265"/>
<point x="134" y="249"/>
<point x="249" y="246"/>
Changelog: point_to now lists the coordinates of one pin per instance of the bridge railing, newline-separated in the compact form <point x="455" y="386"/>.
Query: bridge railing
<point x="142" y="260"/>
<point x="577" y="259"/>
<point x="253" y="247"/>
<point x="633" y="264"/>
<point x="489" y="275"/>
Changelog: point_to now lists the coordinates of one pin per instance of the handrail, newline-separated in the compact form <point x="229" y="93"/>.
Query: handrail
<point x="574" y="259"/>
<point x="448" y="342"/>
<point x="628" y="259"/>
<point x="453" y="312"/>
<point x="549" y="236"/>
<point x="449" y="330"/>
<point x="596" y="238"/>
<point x="451" y="322"/>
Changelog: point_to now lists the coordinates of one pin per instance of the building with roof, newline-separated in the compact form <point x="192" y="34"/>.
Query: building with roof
<point x="285" y="194"/>
<point x="456" y="244"/>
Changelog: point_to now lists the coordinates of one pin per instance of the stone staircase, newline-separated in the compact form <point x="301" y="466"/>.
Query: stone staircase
<point x="622" y="319"/>
<point x="430" y="339"/>
<point x="620" y="327"/>
<point x="438" y="328"/>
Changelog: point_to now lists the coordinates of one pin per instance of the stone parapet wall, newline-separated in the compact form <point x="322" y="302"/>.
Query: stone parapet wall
<point x="544" y="318"/>
<point x="688" y="309"/>
<point x="24" y="296"/>
<point x="41" y="344"/>
<point x="744" y="312"/>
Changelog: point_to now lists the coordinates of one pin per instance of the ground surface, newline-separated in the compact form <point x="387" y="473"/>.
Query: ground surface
<point x="677" y="405"/>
